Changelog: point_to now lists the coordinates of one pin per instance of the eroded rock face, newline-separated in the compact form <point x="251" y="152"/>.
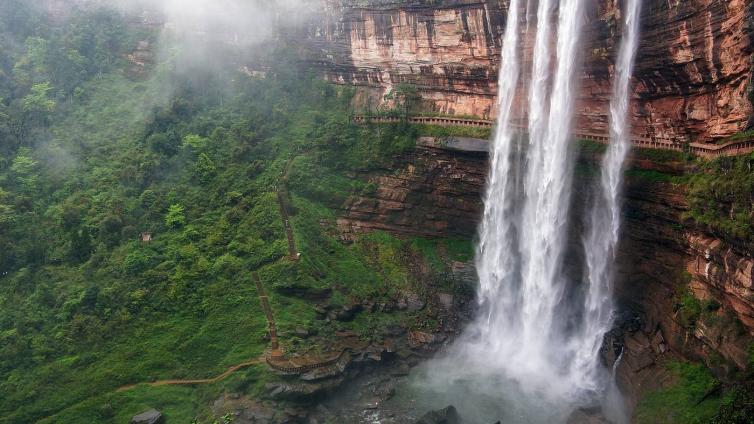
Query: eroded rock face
<point x="692" y="77"/>
<point x="718" y="271"/>
<point x="434" y="192"/>
<point x="661" y="258"/>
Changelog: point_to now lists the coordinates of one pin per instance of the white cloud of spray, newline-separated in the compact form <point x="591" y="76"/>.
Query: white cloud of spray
<point x="195" y="38"/>
<point x="217" y="35"/>
<point x="247" y="21"/>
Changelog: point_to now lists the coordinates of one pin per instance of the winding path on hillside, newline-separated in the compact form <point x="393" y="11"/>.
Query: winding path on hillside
<point x="214" y="379"/>
<point x="284" y="204"/>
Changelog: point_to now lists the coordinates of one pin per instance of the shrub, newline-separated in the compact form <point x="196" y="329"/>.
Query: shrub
<point x="175" y="217"/>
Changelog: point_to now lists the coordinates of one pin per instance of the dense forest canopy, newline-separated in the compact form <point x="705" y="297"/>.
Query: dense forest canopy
<point x="94" y="155"/>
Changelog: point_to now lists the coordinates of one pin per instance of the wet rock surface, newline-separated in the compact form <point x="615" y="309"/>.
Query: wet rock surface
<point x="447" y="415"/>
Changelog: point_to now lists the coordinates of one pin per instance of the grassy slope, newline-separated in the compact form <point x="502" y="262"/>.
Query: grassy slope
<point x="690" y="400"/>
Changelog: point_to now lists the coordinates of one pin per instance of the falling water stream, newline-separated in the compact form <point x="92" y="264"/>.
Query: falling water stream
<point x="604" y="223"/>
<point x="532" y="354"/>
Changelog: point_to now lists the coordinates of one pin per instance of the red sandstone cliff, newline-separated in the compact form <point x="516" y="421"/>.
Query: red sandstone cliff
<point x="693" y="69"/>
<point x="436" y="191"/>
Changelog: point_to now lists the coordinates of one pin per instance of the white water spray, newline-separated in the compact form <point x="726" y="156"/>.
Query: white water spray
<point x="522" y="241"/>
<point x="531" y="344"/>
<point x="495" y="237"/>
<point x="604" y="223"/>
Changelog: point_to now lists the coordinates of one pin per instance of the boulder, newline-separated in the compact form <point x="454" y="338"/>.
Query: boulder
<point x="447" y="415"/>
<point x="414" y="303"/>
<point x="151" y="416"/>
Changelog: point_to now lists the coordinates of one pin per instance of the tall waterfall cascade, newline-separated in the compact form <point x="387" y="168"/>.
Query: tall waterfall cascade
<point x="604" y="223"/>
<point x="523" y="231"/>
<point x="538" y="327"/>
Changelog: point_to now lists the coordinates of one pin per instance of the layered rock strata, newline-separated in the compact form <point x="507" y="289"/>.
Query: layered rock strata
<point x="662" y="260"/>
<point x="435" y="192"/>
<point x="692" y="78"/>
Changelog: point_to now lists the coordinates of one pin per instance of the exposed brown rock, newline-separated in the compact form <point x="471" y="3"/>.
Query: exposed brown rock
<point x="662" y="256"/>
<point x="435" y="192"/>
<point x="693" y="68"/>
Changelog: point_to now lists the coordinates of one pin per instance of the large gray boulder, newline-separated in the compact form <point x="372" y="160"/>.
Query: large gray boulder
<point x="447" y="415"/>
<point x="151" y="416"/>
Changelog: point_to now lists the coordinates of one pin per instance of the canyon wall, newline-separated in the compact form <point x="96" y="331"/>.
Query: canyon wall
<point x="683" y="293"/>
<point x="693" y="71"/>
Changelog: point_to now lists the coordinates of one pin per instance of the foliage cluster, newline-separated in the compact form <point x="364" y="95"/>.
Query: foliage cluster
<point x="721" y="197"/>
<point x="694" y="397"/>
<point x="85" y="305"/>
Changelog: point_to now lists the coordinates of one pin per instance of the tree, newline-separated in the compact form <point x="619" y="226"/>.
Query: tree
<point x="24" y="169"/>
<point x="204" y="168"/>
<point x="81" y="245"/>
<point x="195" y="142"/>
<point x="164" y="143"/>
<point x="37" y="105"/>
<point x="7" y="214"/>
<point x="405" y="97"/>
<point x="175" y="217"/>
<point x="109" y="230"/>
<point x="32" y="66"/>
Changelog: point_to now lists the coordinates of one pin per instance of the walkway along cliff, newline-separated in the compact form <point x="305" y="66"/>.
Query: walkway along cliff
<point x="738" y="146"/>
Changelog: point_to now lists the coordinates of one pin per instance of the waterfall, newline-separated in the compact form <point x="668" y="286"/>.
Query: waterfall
<point x="495" y="236"/>
<point x="604" y="220"/>
<point x="547" y="188"/>
<point x="531" y="355"/>
<point x="524" y="225"/>
<point x="522" y="240"/>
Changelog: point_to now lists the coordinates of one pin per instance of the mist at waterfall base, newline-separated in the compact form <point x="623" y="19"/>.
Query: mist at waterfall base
<point x="532" y="353"/>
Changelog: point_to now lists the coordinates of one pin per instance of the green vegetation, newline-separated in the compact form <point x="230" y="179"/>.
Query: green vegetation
<point x="589" y="147"/>
<point x="721" y="197"/>
<point x="451" y="131"/>
<point x="86" y="306"/>
<point x="652" y="176"/>
<point x="690" y="308"/>
<point x="661" y="156"/>
<point x="736" y="408"/>
<point x="693" y="398"/>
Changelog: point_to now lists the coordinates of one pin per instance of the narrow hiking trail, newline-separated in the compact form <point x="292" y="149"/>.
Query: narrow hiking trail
<point x="215" y="379"/>
<point x="731" y="147"/>
<point x="284" y="204"/>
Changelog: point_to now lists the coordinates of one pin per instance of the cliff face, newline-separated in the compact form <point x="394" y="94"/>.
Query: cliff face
<point x="686" y="294"/>
<point x="692" y="77"/>
<point x="691" y="294"/>
<point x="434" y="192"/>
